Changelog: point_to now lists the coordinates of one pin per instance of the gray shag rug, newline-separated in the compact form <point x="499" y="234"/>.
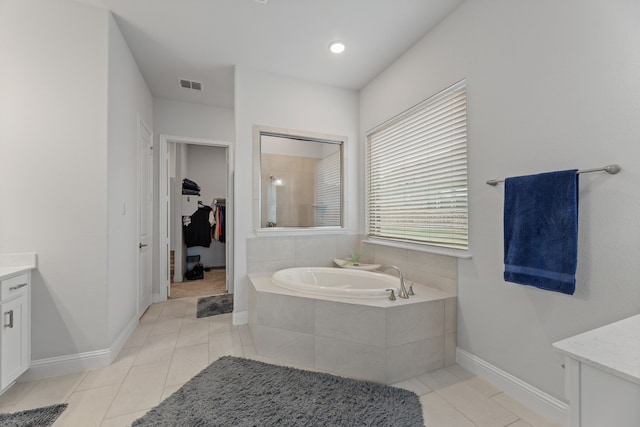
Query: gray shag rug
<point x="39" y="417"/>
<point x="217" y="304"/>
<point x="233" y="391"/>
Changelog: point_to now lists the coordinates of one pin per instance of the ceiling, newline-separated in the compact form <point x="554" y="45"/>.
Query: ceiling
<point x="202" y="40"/>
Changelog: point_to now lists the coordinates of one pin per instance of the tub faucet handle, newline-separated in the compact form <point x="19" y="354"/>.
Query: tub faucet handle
<point x="392" y="296"/>
<point x="410" y="291"/>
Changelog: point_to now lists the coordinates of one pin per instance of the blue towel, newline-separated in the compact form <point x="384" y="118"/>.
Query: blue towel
<point x="541" y="230"/>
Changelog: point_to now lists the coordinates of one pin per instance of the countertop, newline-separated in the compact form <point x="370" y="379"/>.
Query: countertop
<point x="613" y="348"/>
<point x="14" y="264"/>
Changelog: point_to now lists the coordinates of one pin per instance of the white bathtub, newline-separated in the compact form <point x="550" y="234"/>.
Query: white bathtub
<point x="337" y="282"/>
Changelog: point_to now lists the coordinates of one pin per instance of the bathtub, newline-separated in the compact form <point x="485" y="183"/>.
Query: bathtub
<point x="337" y="282"/>
<point x="368" y="338"/>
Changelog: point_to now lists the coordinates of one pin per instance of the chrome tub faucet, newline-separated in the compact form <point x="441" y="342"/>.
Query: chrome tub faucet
<point x="403" y="291"/>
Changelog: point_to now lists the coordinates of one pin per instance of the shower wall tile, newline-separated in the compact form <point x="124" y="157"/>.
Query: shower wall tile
<point x="279" y="163"/>
<point x="409" y="323"/>
<point x="351" y="360"/>
<point x="285" y="312"/>
<point x="350" y="322"/>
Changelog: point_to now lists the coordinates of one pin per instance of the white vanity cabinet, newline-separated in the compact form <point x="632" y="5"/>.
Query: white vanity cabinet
<point x="602" y="376"/>
<point x="15" y="332"/>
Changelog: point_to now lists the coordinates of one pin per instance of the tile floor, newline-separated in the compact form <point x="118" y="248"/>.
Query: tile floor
<point x="170" y="346"/>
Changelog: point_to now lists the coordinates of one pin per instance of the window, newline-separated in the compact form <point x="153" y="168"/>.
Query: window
<point x="417" y="173"/>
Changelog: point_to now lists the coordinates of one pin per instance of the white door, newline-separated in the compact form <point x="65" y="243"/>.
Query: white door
<point x="145" y="199"/>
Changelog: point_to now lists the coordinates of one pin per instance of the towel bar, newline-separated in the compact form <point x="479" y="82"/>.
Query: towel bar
<point x="611" y="169"/>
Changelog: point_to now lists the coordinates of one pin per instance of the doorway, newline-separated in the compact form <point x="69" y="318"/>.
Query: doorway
<point x="196" y="217"/>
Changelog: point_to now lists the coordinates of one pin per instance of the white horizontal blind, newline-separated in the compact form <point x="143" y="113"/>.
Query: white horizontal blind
<point x="417" y="173"/>
<point x="328" y="190"/>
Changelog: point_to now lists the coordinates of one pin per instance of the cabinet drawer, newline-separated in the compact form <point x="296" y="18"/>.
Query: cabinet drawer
<point x="14" y="286"/>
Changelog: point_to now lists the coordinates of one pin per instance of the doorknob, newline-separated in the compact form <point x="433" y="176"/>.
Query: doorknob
<point x="142" y="246"/>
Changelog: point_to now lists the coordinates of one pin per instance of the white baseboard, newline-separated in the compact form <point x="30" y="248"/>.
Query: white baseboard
<point x="62" y="365"/>
<point x="156" y="298"/>
<point x="69" y="364"/>
<point x="118" y="344"/>
<point x="240" y="317"/>
<point x="546" y="405"/>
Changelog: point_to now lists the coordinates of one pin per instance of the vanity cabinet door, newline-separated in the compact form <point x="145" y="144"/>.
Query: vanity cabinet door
<point x="14" y="336"/>
<point x="607" y="400"/>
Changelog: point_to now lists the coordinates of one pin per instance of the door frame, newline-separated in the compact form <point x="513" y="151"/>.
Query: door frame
<point x="143" y="124"/>
<point x="165" y="208"/>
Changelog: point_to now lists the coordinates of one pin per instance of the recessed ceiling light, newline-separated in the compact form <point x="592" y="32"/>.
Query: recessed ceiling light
<point x="337" y="46"/>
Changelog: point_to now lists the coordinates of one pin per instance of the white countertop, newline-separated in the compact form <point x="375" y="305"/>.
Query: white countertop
<point x="14" y="264"/>
<point x="614" y="348"/>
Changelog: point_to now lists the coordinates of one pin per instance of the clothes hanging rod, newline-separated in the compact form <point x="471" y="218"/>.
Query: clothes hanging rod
<point x="611" y="169"/>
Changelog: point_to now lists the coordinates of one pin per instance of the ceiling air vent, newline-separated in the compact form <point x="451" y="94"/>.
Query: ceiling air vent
<point x="189" y="84"/>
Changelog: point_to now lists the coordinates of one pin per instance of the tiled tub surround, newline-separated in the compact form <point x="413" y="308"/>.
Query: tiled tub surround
<point x="372" y="339"/>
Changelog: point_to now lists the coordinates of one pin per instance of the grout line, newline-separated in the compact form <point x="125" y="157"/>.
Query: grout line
<point x="75" y="388"/>
<point x="455" y="408"/>
<point x="126" y="375"/>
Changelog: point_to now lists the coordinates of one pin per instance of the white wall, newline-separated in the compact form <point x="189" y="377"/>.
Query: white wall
<point x="551" y="85"/>
<point x="188" y="120"/>
<point x="208" y="167"/>
<point x="53" y="146"/>
<point x="129" y="99"/>
<point x="269" y="100"/>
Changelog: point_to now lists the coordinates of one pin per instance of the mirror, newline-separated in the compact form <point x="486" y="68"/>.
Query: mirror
<point x="300" y="181"/>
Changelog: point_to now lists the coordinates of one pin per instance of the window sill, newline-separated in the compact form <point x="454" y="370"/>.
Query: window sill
<point x="300" y="231"/>
<point x="457" y="253"/>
